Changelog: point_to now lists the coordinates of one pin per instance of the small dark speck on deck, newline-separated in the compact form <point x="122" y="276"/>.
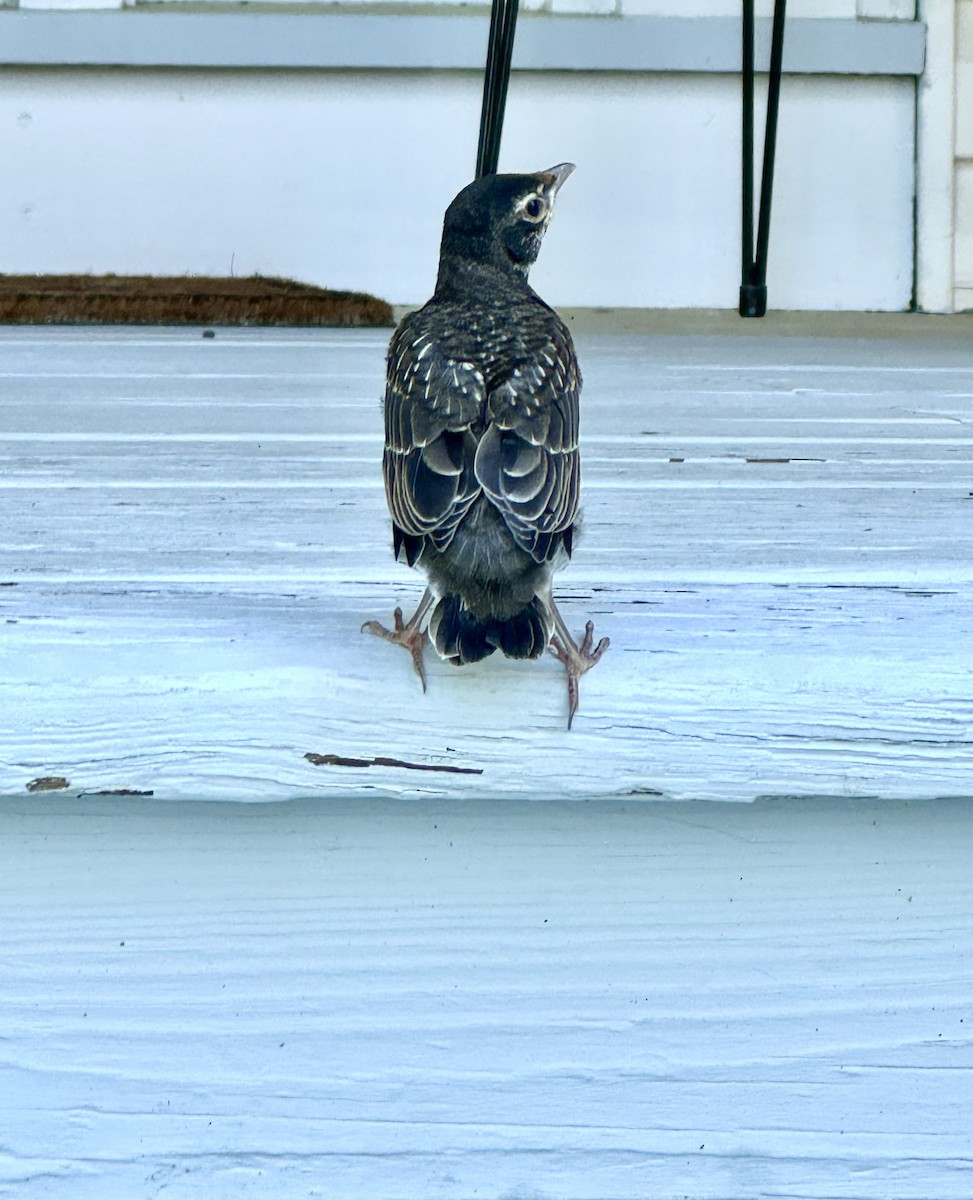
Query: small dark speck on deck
<point x="48" y="783"/>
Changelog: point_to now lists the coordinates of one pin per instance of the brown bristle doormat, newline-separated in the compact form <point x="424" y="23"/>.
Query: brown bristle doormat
<point x="181" y="300"/>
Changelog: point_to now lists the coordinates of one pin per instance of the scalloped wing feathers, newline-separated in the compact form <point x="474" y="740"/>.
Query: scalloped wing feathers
<point x="430" y="404"/>
<point x="455" y="428"/>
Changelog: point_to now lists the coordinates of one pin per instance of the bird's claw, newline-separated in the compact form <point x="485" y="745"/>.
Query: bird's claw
<point x="410" y="637"/>
<point x="587" y="641"/>
<point x="577" y="659"/>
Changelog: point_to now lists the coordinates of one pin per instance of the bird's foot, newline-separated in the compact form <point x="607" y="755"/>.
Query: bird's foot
<point x="577" y="659"/>
<point x="409" y="636"/>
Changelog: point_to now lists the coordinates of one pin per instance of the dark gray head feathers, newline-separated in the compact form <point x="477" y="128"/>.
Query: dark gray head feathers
<point x="498" y="221"/>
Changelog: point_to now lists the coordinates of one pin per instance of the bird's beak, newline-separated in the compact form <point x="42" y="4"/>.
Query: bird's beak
<point x="554" y="177"/>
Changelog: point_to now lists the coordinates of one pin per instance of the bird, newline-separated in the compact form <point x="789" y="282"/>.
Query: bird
<point x="481" y="463"/>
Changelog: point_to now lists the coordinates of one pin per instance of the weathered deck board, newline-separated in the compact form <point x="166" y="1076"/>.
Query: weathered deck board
<point x="778" y="538"/>
<point x="366" y="998"/>
<point x="466" y="995"/>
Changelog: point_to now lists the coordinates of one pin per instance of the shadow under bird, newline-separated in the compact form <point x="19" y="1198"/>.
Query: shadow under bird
<point x="481" y="440"/>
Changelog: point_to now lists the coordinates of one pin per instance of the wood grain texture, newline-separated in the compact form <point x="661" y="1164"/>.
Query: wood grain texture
<point x="777" y="538"/>
<point x="452" y="999"/>
<point x="410" y="984"/>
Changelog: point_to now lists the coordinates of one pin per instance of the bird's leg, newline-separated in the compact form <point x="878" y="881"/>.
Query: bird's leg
<point x="576" y="659"/>
<point x="411" y="636"/>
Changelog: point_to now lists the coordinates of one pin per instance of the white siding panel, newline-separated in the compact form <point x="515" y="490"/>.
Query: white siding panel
<point x="733" y="8"/>
<point x="935" y="151"/>
<point x="888" y="10"/>
<point x="341" y="178"/>
<point x="964" y="225"/>
<point x="964" y="79"/>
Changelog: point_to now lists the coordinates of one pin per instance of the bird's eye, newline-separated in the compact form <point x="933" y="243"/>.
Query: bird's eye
<point x="535" y="208"/>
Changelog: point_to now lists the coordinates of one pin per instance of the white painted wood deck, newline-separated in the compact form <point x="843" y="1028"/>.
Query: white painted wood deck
<point x="778" y="540"/>
<point x="375" y="999"/>
<point x="414" y="984"/>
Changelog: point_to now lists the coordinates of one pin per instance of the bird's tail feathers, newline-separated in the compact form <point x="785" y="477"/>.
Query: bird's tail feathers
<point x="462" y="637"/>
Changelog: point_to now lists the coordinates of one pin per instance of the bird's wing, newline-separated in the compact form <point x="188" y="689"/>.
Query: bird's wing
<point x="431" y="400"/>
<point x="527" y="460"/>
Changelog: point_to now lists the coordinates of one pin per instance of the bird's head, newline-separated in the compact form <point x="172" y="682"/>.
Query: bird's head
<point x="499" y="220"/>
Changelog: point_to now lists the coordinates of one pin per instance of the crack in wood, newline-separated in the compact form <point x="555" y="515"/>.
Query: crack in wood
<point x="338" y="760"/>
<point x="116" y="792"/>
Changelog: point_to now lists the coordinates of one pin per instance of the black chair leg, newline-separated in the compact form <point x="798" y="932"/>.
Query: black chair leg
<point x="753" y="286"/>
<point x="503" y="24"/>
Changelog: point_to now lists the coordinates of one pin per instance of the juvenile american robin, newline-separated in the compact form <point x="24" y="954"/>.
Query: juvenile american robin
<point x="481" y="440"/>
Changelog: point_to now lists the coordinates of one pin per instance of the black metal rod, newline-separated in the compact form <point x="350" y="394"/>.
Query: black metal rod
<point x="503" y="24"/>
<point x="770" y="138"/>
<point x="489" y="76"/>
<point x="503" y="79"/>
<point x="753" y="287"/>
<point x="503" y="21"/>
<point x="748" y="74"/>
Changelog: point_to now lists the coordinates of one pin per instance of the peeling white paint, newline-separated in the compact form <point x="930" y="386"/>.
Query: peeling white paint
<point x="777" y="538"/>
<point x="410" y="983"/>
